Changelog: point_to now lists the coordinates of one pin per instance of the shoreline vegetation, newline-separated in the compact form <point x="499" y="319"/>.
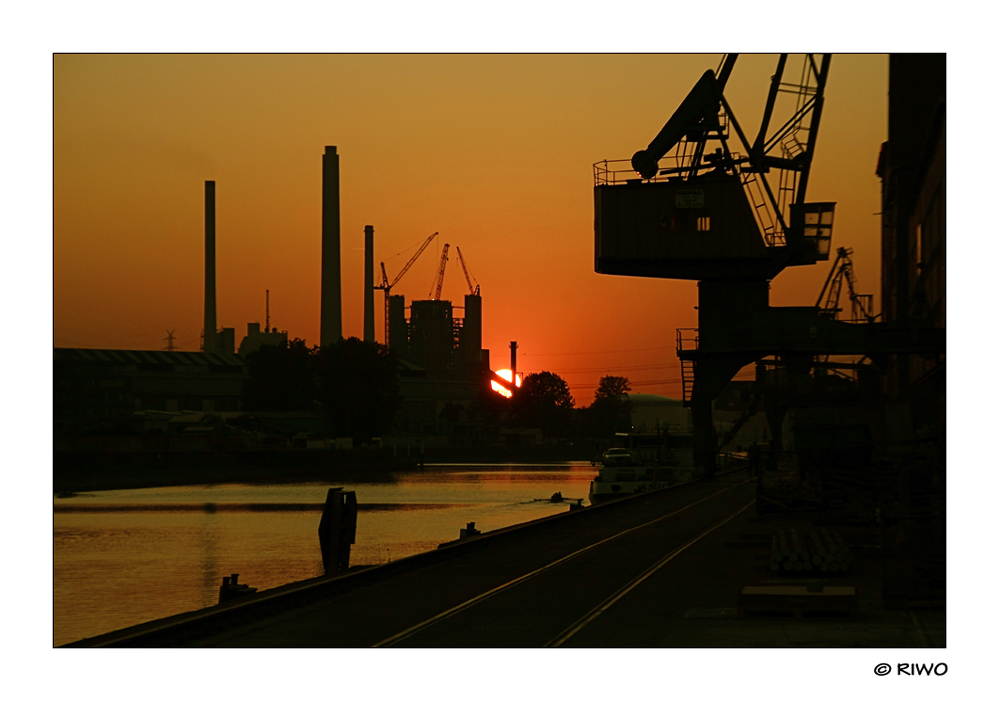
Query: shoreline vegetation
<point x="75" y="472"/>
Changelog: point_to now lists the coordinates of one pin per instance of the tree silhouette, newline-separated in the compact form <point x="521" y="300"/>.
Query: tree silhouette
<point x="612" y="387"/>
<point x="280" y="378"/>
<point x="611" y="410"/>
<point x="357" y="385"/>
<point x="544" y="401"/>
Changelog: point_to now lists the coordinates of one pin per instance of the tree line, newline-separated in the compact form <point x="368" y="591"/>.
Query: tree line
<point x="353" y="381"/>
<point x="545" y="402"/>
<point x="356" y="383"/>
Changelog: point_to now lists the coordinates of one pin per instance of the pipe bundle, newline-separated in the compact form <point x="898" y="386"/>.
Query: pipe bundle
<point x="822" y="549"/>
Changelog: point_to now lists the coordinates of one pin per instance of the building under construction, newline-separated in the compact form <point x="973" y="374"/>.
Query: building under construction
<point x="435" y="339"/>
<point x="428" y="336"/>
<point x="442" y="361"/>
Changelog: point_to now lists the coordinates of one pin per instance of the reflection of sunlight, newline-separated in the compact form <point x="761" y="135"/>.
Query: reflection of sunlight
<point x="407" y="507"/>
<point x="497" y="387"/>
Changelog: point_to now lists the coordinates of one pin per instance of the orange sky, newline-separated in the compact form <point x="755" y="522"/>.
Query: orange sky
<point x="495" y="152"/>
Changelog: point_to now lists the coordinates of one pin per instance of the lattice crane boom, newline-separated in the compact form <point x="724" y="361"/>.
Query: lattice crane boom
<point x="439" y="278"/>
<point x="386" y="286"/>
<point x="829" y="297"/>
<point x="415" y="257"/>
<point x="468" y="278"/>
<point x="787" y="151"/>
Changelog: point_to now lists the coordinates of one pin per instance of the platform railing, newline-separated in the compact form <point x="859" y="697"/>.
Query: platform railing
<point x="677" y="162"/>
<point x="687" y="339"/>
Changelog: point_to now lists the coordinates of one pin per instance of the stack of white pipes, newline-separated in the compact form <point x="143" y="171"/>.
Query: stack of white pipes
<point x="822" y="549"/>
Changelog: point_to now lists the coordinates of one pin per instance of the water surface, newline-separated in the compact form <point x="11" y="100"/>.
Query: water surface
<point x="123" y="557"/>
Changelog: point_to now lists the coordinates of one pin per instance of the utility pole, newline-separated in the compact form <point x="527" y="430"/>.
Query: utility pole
<point x="170" y="341"/>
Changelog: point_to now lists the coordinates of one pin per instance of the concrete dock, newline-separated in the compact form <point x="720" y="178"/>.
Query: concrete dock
<point x="661" y="569"/>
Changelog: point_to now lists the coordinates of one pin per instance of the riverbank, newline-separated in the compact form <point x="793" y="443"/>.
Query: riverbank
<point x="82" y="472"/>
<point x="85" y="471"/>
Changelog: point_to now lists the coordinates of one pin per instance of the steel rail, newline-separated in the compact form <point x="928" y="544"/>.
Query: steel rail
<point x="416" y="628"/>
<point x="607" y="604"/>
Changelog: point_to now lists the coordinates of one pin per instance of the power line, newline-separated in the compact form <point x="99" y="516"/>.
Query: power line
<point x="609" y="369"/>
<point x="588" y="353"/>
<point x="664" y="381"/>
<point x="645" y="383"/>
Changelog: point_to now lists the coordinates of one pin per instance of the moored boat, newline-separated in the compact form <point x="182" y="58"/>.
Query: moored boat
<point x="643" y="461"/>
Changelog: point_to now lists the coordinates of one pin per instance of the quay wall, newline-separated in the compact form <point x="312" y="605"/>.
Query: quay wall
<point x="176" y="630"/>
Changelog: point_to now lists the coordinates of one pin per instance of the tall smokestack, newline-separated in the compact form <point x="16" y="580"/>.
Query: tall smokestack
<point x="330" y="329"/>
<point x="370" y="283"/>
<point x="513" y="361"/>
<point x="210" y="345"/>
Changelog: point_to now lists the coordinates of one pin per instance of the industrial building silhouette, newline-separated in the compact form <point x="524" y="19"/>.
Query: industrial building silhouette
<point x="442" y="362"/>
<point x="439" y="344"/>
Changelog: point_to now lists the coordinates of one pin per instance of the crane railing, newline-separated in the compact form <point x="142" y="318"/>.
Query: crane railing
<point x="676" y="163"/>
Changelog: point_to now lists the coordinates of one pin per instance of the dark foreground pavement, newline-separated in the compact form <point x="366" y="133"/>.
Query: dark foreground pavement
<point x="659" y="570"/>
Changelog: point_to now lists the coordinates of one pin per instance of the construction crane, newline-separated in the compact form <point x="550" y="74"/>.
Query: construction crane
<point x="386" y="286"/>
<point x="731" y="220"/>
<point x="468" y="278"/>
<point x="773" y="169"/>
<point x="439" y="278"/>
<point x="828" y="303"/>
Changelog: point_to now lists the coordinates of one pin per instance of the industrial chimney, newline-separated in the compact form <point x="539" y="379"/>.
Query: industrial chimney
<point x="369" y="334"/>
<point x="330" y="329"/>
<point x="211" y="340"/>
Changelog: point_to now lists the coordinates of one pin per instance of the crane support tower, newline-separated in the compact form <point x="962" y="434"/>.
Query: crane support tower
<point x="690" y="207"/>
<point x="386" y="286"/>
<point x="439" y="278"/>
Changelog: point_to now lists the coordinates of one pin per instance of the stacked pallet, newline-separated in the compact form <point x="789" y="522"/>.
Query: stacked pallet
<point x="822" y="550"/>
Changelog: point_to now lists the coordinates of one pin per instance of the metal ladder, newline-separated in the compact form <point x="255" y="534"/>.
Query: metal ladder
<point x="758" y="199"/>
<point x="687" y="343"/>
<point x="687" y="380"/>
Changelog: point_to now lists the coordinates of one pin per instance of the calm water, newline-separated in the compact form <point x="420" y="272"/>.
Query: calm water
<point x="123" y="557"/>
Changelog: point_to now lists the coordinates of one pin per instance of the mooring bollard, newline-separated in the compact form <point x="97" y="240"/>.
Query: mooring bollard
<point x="337" y="529"/>
<point x="231" y="589"/>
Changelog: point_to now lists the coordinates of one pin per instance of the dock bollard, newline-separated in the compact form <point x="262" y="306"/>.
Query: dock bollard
<point x="231" y="589"/>
<point x="337" y="529"/>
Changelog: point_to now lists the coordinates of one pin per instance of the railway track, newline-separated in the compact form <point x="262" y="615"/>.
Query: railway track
<point x="548" y="569"/>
